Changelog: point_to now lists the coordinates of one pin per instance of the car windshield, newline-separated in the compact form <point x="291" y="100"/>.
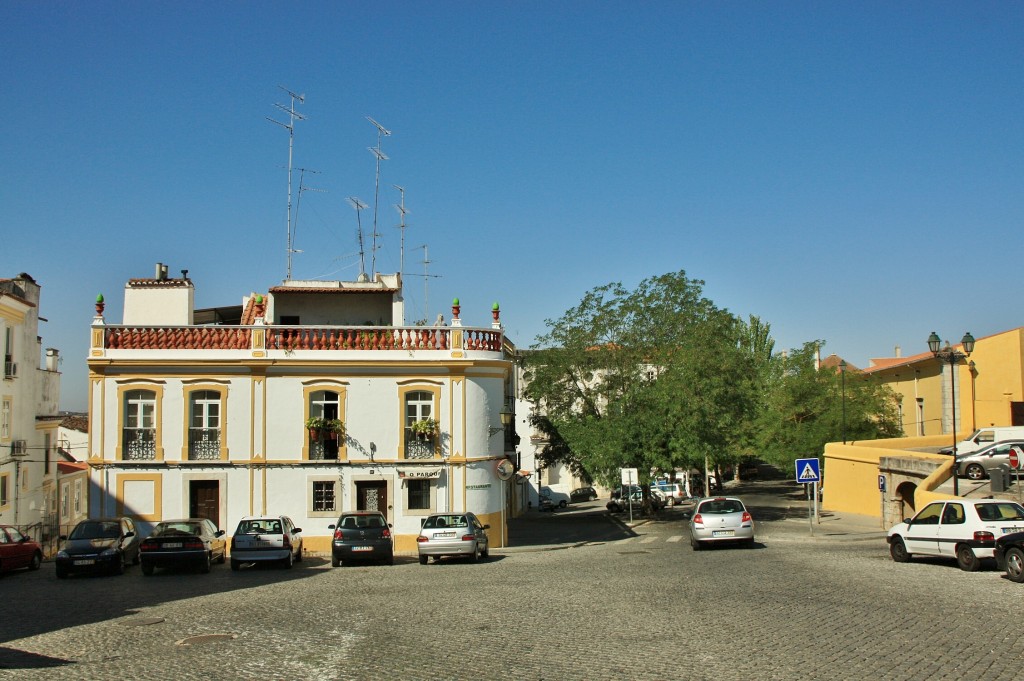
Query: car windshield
<point x="362" y="521"/>
<point x="97" y="530"/>
<point x="999" y="512"/>
<point x="721" y="506"/>
<point x="260" y="526"/>
<point x="175" y="529"/>
<point x="446" y="521"/>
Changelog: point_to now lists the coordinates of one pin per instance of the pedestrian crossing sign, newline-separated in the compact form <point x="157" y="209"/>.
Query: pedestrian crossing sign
<point x="808" y="470"/>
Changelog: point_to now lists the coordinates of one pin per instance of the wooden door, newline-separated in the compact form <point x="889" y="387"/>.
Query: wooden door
<point x="204" y="500"/>
<point x="372" y="496"/>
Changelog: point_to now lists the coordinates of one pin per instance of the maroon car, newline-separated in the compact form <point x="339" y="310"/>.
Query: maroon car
<point x="18" y="551"/>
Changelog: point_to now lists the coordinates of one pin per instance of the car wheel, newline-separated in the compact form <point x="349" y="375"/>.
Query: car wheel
<point x="136" y="559"/>
<point x="975" y="471"/>
<point x="234" y="565"/>
<point x="289" y="560"/>
<point x="1015" y="564"/>
<point x="694" y="544"/>
<point x="475" y="556"/>
<point x="898" y="550"/>
<point x="966" y="559"/>
<point x="390" y="560"/>
<point x="298" y="556"/>
<point x="204" y="567"/>
<point x="147" y="569"/>
<point x="221" y="557"/>
<point x="119" y="568"/>
<point x="37" y="560"/>
<point x="562" y="504"/>
<point x="423" y="560"/>
<point x="335" y="561"/>
<point x="62" y="572"/>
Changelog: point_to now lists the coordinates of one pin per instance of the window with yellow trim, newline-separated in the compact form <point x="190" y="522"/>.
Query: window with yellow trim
<point x="420" y="443"/>
<point x="324" y="442"/>
<point x="5" y="489"/>
<point x="204" y="432"/>
<point x="139" y="434"/>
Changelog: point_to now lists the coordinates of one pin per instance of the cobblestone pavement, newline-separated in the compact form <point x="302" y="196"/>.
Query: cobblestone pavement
<point x="609" y="602"/>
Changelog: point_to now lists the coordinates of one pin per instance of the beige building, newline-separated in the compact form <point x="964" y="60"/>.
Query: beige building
<point x="207" y="412"/>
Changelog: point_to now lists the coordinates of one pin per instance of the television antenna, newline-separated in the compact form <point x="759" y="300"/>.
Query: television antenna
<point x="360" y="206"/>
<point x="401" y="248"/>
<point x="295" y="225"/>
<point x="290" y="127"/>
<point x="376" y="151"/>
<point x="426" y="278"/>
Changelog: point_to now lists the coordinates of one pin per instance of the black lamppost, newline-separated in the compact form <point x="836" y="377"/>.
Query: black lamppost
<point x="842" y="372"/>
<point x="952" y="357"/>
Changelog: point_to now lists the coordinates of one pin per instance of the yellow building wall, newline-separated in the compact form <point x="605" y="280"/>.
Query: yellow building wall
<point x="999" y="378"/>
<point x="851" y="471"/>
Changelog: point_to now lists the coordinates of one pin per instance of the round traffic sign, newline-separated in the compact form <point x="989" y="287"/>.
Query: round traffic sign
<point x="1014" y="458"/>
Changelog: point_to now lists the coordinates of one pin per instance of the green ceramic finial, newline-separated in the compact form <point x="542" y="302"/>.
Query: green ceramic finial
<point x="259" y="299"/>
<point x="455" y="301"/>
<point x="99" y="298"/>
<point x="495" y="306"/>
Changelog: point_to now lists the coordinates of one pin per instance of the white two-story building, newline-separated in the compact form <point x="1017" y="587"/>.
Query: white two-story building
<point x="29" y="399"/>
<point x="204" y="412"/>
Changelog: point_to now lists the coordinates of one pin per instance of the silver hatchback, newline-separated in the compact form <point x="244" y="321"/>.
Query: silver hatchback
<point x="452" y="534"/>
<point x="720" y="519"/>
<point x="266" y="539"/>
<point x="977" y="464"/>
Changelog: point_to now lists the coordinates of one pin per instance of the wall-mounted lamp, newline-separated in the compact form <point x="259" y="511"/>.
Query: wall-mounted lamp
<point x="506" y="420"/>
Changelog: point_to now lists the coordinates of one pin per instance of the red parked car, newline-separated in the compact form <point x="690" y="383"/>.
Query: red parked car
<point x="18" y="551"/>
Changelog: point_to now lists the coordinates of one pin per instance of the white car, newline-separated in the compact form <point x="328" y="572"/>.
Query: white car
<point x="720" y="519"/>
<point x="262" y="538"/>
<point x="555" y="497"/>
<point x="965" y="529"/>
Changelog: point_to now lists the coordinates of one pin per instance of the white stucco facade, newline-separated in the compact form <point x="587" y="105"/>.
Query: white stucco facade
<point x="212" y="420"/>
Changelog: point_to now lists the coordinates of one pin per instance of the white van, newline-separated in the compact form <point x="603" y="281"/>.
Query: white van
<point x="985" y="436"/>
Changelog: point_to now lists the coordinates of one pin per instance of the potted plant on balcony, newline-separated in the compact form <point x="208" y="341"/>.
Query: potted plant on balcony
<point x="425" y="429"/>
<point x="334" y="428"/>
<point x="315" y="424"/>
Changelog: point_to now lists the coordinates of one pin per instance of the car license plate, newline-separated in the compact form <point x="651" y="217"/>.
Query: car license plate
<point x="172" y="545"/>
<point x="262" y="544"/>
<point x="443" y="535"/>
<point x="723" y="533"/>
<point x="88" y="561"/>
<point x="362" y="548"/>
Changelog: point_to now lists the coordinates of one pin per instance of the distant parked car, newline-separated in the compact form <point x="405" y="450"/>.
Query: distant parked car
<point x="582" y="494"/>
<point x="672" y="491"/>
<point x="720" y="519"/>
<point x="559" y="499"/>
<point x="977" y="464"/>
<point x="1009" y="555"/>
<point x="18" y="551"/>
<point x="191" y="542"/>
<point x="266" y="538"/>
<point x="452" y="534"/>
<point x="99" y="545"/>
<point x="362" y="536"/>
<point x="965" y="529"/>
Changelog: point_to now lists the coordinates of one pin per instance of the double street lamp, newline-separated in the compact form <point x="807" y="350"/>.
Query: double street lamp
<point x="842" y="372"/>
<point x="953" y="357"/>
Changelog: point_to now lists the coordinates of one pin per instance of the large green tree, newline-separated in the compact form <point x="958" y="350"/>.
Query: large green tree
<point x="808" y="406"/>
<point x="655" y="378"/>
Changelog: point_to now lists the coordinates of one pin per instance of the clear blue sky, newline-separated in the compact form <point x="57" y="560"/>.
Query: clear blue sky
<point x="850" y="172"/>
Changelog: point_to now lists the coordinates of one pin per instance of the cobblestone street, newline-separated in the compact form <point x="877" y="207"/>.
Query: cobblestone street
<point x="624" y="604"/>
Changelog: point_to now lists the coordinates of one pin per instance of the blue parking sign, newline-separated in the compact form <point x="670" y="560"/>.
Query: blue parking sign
<point x="808" y="470"/>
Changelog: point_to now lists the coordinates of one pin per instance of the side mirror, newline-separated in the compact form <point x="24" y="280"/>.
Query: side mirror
<point x="129" y="534"/>
<point x="331" y="526"/>
<point x="297" y="530"/>
<point x="218" y="533"/>
<point x="63" y="537"/>
<point x="487" y="527"/>
<point x="907" y="520"/>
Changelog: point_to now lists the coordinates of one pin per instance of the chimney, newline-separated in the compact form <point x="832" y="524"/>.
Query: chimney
<point x="898" y="351"/>
<point x="161" y="272"/>
<point x="52" y="359"/>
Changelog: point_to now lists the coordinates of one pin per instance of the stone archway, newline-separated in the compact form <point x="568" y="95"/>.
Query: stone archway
<point x="904" y="497"/>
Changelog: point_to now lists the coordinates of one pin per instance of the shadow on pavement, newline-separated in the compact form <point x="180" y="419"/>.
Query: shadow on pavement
<point x="590" y="523"/>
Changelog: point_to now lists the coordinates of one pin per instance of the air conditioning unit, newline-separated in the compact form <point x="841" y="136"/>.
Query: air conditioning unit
<point x="18" y="448"/>
<point x="10" y="369"/>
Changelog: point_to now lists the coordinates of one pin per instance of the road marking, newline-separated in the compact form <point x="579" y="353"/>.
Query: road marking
<point x="675" y="538"/>
<point x="648" y="540"/>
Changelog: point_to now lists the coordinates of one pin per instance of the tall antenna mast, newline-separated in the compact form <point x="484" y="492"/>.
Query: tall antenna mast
<point x="359" y="206"/>
<point x="426" y="277"/>
<point x="381" y="132"/>
<point x="401" y="248"/>
<point x="290" y="127"/>
<point x="295" y="223"/>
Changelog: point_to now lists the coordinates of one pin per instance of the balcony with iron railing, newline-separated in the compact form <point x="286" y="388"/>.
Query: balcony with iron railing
<point x="203" y="444"/>
<point x="139" y="444"/>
